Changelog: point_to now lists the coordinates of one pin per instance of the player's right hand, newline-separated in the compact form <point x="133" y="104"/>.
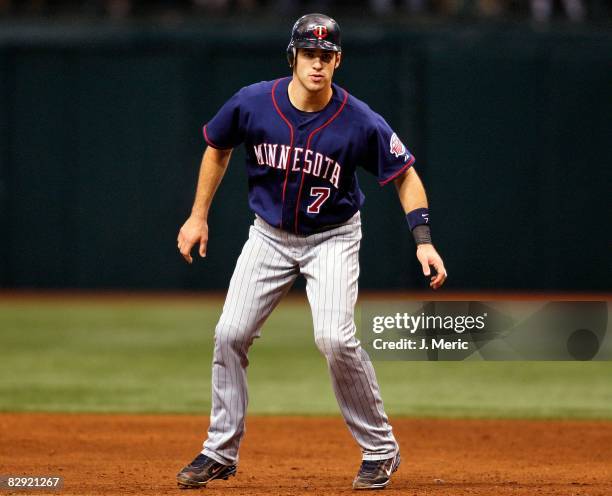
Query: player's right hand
<point x="194" y="231"/>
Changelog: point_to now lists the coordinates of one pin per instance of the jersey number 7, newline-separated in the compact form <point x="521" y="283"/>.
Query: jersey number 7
<point x="321" y="194"/>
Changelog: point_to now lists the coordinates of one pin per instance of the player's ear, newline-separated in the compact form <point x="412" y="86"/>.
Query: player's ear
<point x="338" y="59"/>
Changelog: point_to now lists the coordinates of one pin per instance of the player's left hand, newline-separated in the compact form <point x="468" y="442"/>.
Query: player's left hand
<point x="428" y="256"/>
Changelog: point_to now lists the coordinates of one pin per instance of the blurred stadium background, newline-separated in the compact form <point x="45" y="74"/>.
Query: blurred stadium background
<point x="100" y="140"/>
<point x="505" y="104"/>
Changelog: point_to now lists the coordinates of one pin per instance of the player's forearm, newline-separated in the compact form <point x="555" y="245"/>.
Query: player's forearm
<point x="411" y="191"/>
<point x="212" y="170"/>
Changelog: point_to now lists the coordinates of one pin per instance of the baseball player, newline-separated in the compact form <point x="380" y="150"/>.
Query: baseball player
<point x="304" y="138"/>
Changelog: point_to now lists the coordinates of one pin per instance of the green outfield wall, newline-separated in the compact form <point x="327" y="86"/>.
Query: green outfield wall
<point x="100" y="142"/>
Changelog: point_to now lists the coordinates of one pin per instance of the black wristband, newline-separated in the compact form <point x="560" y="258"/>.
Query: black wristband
<point x="418" y="220"/>
<point x="422" y="234"/>
<point x="417" y="217"/>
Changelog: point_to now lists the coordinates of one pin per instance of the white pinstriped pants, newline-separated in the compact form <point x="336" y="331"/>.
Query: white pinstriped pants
<point x="267" y="267"/>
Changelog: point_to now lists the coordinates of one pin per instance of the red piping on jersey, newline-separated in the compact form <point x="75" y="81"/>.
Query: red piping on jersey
<point x="329" y="121"/>
<point x="207" y="139"/>
<point x="399" y="172"/>
<point x="290" y="146"/>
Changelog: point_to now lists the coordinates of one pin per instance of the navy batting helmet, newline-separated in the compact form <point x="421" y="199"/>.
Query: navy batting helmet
<point x="314" y="31"/>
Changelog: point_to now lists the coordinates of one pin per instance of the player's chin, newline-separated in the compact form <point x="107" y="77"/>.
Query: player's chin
<point x="316" y="84"/>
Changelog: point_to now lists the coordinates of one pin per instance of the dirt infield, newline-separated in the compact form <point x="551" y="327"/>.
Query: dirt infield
<point x="131" y="454"/>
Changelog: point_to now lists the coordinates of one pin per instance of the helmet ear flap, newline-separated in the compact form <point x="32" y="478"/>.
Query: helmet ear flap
<point x="291" y="54"/>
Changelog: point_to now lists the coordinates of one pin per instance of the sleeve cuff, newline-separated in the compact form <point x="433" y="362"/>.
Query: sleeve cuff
<point x="404" y="168"/>
<point x="210" y="143"/>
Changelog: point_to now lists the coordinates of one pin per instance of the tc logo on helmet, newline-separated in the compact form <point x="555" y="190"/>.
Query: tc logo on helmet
<point x="396" y="147"/>
<point x="320" y="32"/>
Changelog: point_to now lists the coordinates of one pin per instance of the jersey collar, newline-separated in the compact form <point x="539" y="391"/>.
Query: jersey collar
<point x="300" y="118"/>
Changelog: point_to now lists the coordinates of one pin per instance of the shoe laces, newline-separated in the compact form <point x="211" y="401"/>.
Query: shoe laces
<point x="199" y="461"/>
<point x="370" y="466"/>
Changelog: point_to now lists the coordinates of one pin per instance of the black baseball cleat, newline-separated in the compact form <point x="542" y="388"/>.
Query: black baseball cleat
<point x="376" y="474"/>
<point x="201" y="471"/>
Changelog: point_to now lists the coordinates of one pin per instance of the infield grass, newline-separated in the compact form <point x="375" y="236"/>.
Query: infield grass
<point x="155" y="357"/>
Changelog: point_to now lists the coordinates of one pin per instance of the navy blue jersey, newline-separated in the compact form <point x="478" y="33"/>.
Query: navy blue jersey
<point x="302" y="165"/>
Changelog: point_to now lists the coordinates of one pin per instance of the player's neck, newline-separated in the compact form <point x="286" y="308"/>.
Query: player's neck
<point x="308" y="101"/>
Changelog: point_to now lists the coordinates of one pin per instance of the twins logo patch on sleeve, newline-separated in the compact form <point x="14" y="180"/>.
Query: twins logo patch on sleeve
<point x="397" y="148"/>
